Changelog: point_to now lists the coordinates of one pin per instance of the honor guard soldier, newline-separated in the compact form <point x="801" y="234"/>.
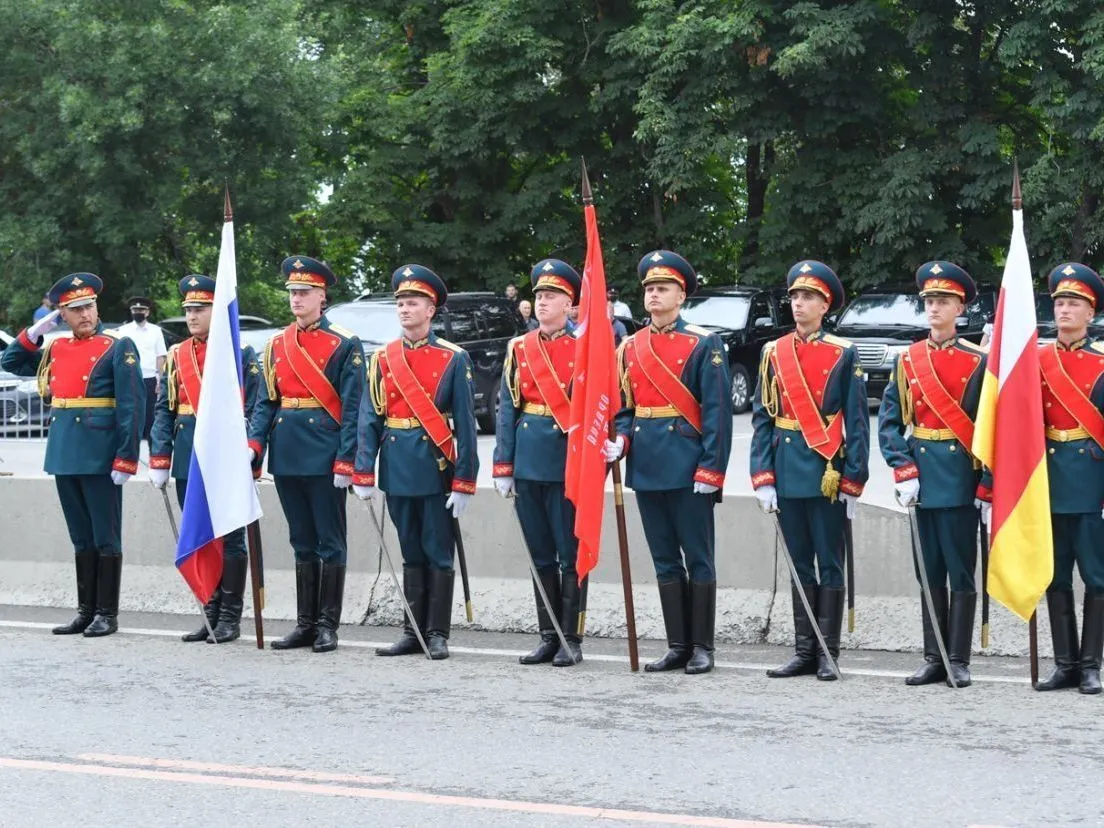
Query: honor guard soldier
<point x="676" y="428"/>
<point x="935" y="389"/>
<point x="427" y="467"/>
<point x="314" y="377"/>
<point x="171" y="445"/>
<point x="531" y="453"/>
<point x="809" y="451"/>
<point x="95" y="380"/>
<point x="1073" y="398"/>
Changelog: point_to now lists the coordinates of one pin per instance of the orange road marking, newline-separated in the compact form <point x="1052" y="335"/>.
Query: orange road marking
<point x="411" y="797"/>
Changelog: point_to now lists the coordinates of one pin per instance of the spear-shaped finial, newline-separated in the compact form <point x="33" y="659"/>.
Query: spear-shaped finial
<point x="1017" y="196"/>
<point x="227" y="210"/>
<point x="588" y="196"/>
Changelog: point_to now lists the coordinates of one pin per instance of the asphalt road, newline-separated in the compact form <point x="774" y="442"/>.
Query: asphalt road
<point x="109" y="732"/>
<point x="24" y="458"/>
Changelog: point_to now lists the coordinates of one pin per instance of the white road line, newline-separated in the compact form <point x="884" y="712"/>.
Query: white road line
<point x="754" y="667"/>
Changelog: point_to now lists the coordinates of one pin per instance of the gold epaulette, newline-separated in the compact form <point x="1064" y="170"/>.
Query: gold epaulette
<point x="444" y="343"/>
<point x="375" y="383"/>
<point x="970" y="346"/>
<point x="1097" y="346"/>
<point x="623" y="373"/>
<point x="170" y="376"/>
<point x="112" y="332"/>
<point x="509" y="372"/>
<point x="694" y="329"/>
<point x="43" y="375"/>
<point x="340" y="331"/>
<point x="832" y="339"/>
<point x="270" y="370"/>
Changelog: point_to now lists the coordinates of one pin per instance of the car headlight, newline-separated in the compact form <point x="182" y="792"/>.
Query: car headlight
<point x="27" y="387"/>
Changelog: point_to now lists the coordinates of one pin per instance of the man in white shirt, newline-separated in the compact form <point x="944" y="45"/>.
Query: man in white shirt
<point x="150" y="341"/>
<point x="619" y="307"/>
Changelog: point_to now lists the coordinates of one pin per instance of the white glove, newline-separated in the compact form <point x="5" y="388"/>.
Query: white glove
<point x="120" y="477"/>
<point x="159" y="477"/>
<point x="505" y="486"/>
<point x="704" y="488"/>
<point x="768" y="498"/>
<point x="458" y="503"/>
<point x="852" y="504"/>
<point x="366" y="492"/>
<point x="43" y="326"/>
<point x="986" y="510"/>
<point x="613" y="449"/>
<point x="907" y="492"/>
<point x="343" y="481"/>
<point x="252" y="455"/>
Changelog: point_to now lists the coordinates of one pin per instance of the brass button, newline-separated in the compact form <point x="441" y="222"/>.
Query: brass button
<point x="670" y="428"/>
<point x="555" y="427"/>
<point x="1051" y="451"/>
<point x="279" y="419"/>
<point x="392" y="438"/>
<point x="424" y="437"/>
<point x="923" y="450"/>
<point x="637" y="428"/>
<point x="310" y="419"/>
<point x="85" y="378"/>
<point x="787" y="439"/>
<point x="679" y="361"/>
<point x="78" y="419"/>
<point x="954" y="447"/>
<point x="525" y="425"/>
<point x="1080" y="451"/>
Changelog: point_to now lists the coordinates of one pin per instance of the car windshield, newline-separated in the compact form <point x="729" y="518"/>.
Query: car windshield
<point x="374" y="323"/>
<point x="1044" y="309"/>
<point x="882" y="309"/>
<point x="257" y="338"/>
<point x="717" y="311"/>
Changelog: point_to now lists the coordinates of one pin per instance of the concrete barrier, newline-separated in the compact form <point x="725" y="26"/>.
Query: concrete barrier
<point x="753" y="603"/>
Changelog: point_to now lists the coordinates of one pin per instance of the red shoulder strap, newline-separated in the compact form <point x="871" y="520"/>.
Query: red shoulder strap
<point x="432" y="420"/>
<point x="548" y="383"/>
<point x="825" y="440"/>
<point x="310" y="374"/>
<point x="191" y="377"/>
<point x="1071" y="397"/>
<point x="939" y="398"/>
<point x="670" y="386"/>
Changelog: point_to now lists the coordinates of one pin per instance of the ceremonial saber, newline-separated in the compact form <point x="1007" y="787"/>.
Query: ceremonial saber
<point x="804" y="598"/>
<point x="256" y="577"/>
<point x="462" y="559"/>
<point x="983" y="540"/>
<point x="395" y="576"/>
<point x="553" y="615"/>
<point x="176" y="537"/>
<point x="925" y="589"/>
<point x="849" y="562"/>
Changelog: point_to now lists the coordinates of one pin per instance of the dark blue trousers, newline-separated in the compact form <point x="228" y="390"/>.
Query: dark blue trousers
<point x="315" y="513"/>
<point x="949" y="545"/>
<point x="679" y="523"/>
<point x="93" y="509"/>
<point x="813" y="530"/>
<point x="424" y="527"/>
<point x="233" y="544"/>
<point x="548" y="523"/>
<point x="1078" y="538"/>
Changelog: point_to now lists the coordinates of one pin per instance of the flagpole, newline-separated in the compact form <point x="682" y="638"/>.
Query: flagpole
<point x="619" y="509"/>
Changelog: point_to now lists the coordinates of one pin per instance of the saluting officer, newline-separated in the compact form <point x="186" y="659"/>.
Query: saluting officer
<point x="171" y="445"/>
<point x="676" y="428"/>
<point x="531" y="453"/>
<point x="314" y="377"/>
<point x="936" y="392"/>
<point x="427" y="467"/>
<point x="1073" y="398"/>
<point x="99" y="405"/>
<point x="809" y="451"/>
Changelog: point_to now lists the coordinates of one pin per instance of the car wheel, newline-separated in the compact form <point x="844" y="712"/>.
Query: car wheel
<point x="488" y="421"/>
<point x="741" y="389"/>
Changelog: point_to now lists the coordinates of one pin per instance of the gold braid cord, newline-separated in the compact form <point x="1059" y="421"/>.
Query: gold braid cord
<point x="904" y="391"/>
<point x="623" y="375"/>
<point x="43" y="375"/>
<point x="509" y="373"/>
<point x="170" y="376"/>
<point x="768" y="383"/>
<point x="375" y="384"/>
<point x="270" y="370"/>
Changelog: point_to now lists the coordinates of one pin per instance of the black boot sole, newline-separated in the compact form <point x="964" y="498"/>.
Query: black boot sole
<point x="403" y="647"/>
<point x="225" y="636"/>
<point x="672" y="660"/>
<point x="569" y="658"/>
<point x="700" y="662"/>
<point x="298" y="639"/>
<point x="930" y="673"/>
<point x="75" y="627"/>
<point x="101" y="626"/>
<point x="545" y="652"/>
<point x="793" y="668"/>
<point x="1060" y="681"/>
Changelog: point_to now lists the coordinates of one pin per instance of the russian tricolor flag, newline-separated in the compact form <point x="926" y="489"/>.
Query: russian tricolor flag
<point x="221" y="495"/>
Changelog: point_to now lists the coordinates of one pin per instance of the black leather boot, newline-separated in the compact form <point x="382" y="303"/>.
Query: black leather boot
<point x="830" y="618"/>
<point x="960" y="636"/>
<point x="231" y="597"/>
<point x="1063" y="632"/>
<point x="804" y="660"/>
<point x="932" y="670"/>
<point x="703" y="618"/>
<point x="211" y="613"/>
<point x="108" y="576"/>
<point x="307" y="576"/>
<point x="572" y="619"/>
<point x="87" y="561"/>
<point x="414" y="589"/>
<point x="1092" y="642"/>
<point x="439" y="611"/>
<point x="549" y="643"/>
<point x="329" y="614"/>
<point x="674" y="599"/>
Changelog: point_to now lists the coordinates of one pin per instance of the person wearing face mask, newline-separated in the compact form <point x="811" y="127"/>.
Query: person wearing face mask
<point x="810" y="447"/>
<point x="94" y="382"/>
<point x="171" y="445"/>
<point x="150" y="341"/>
<point x="427" y="464"/>
<point x="306" y="418"/>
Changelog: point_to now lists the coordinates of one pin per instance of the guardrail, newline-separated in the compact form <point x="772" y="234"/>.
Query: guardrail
<point x="23" y="413"/>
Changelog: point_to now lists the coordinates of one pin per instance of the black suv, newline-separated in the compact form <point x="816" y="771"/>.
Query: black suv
<point x="746" y="318"/>
<point x="480" y="323"/>
<point x="884" y="321"/>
